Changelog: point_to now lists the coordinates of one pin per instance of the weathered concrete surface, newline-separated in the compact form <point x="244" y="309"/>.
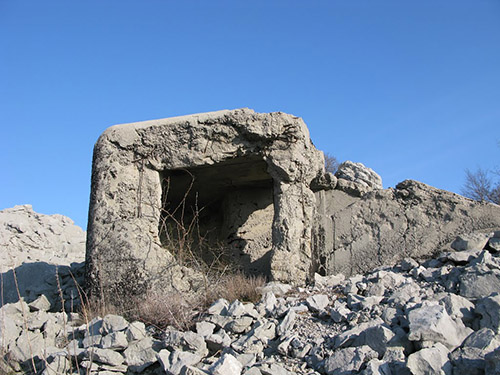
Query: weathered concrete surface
<point x="255" y="166"/>
<point x="358" y="232"/>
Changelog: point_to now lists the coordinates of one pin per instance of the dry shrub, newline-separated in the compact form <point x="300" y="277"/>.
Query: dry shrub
<point x="237" y="286"/>
<point x="167" y="309"/>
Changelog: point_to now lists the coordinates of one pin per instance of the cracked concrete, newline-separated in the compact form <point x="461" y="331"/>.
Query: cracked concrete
<point x="242" y="177"/>
<point x="385" y="226"/>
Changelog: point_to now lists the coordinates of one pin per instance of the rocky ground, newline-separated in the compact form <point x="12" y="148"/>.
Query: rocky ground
<point x="439" y="316"/>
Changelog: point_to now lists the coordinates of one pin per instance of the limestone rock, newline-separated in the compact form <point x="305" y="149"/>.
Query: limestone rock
<point x="489" y="309"/>
<point x="226" y="365"/>
<point x="348" y="360"/>
<point x="431" y="322"/>
<point x="363" y="179"/>
<point x="36" y="246"/>
<point x="471" y="241"/>
<point x="430" y="361"/>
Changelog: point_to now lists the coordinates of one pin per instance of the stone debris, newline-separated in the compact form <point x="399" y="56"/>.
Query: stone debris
<point x="411" y="318"/>
<point x="46" y="252"/>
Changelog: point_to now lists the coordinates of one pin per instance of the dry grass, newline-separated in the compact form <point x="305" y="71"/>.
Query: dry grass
<point x="237" y="286"/>
<point x="163" y="310"/>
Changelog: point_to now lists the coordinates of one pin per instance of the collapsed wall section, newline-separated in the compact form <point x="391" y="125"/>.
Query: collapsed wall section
<point x="241" y="177"/>
<point x="358" y="229"/>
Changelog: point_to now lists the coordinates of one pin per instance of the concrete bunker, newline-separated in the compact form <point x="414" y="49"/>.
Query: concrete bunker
<point x="247" y="176"/>
<point x="221" y="212"/>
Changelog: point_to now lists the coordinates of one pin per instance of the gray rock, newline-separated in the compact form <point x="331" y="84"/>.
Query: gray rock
<point x="474" y="285"/>
<point x="239" y="325"/>
<point x="219" y="307"/>
<point x="28" y="345"/>
<point x="195" y="343"/>
<point x="92" y="341"/>
<point x="58" y="365"/>
<point x="236" y="309"/>
<point x="377" y="338"/>
<point x="218" y="341"/>
<point x="226" y="365"/>
<point x="135" y="331"/>
<point x="329" y="281"/>
<point x="106" y="356"/>
<point x="40" y="304"/>
<point x="140" y="354"/>
<point x="458" y="307"/>
<point x="431" y="322"/>
<point x="115" y="340"/>
<point x="362" y="176"/>
<point x="489" y="309"/>
<point x="252" y="371"/>
<point x="493" y="362"/>
<point x="267" y="304"/>
<point x="461" y="257"/>
<point x="484" y="339"/>
<point x="205" y="328"/>
<point x="339" y="312"/>
<point x="38" y="246"/>
<point x="494" y="243"/>
<point x="277" y="288"/>
<point x="348" y="360"/>
<point x="114" y="323"/>
<point x="403" y="295"/>
<point x="348" y="337"/>
<point x="470" y="358"/>
<point x="430" y="361"/>
<point x="317" y="302"/>
<point x="9" y="331"/>
<point x="173" y="362"/>
<point x="191" y="370"/>
<point x="273" y="369"/>
<point x="377" y="367"/>
<point x="408" y="263"/>
<point x="287" y="323"/>
<point x="471" y="241"/>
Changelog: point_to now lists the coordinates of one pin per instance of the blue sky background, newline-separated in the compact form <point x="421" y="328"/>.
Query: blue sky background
<point x="409" y="88"/>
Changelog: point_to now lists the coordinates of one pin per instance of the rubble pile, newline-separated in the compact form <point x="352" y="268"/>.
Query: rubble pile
<point x="439" y="316"/>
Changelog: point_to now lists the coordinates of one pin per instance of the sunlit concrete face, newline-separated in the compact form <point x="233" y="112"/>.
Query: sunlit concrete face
<point x="239" y="179"/>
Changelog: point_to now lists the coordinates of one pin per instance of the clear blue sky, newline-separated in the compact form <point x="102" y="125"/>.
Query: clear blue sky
<point x="409" y="88"/>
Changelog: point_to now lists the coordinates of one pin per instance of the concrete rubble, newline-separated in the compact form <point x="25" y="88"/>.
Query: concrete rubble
<point x="413" y="317"/>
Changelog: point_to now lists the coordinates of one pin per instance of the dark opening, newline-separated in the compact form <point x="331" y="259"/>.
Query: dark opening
<point x="205" y="208"/>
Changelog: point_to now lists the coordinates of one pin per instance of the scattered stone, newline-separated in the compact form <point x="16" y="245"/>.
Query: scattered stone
<point x="226" y="365"/>
<point x="348" y="360"/>
<point x="277" y="288"/>
<point x="471" y="241"/>
<point x="431" y="322"/>
<point x="140" y="354"/>
<point x="433" y="360"/>
<point x="318" y="302"/>
<point x="114" y="323"/>
<point x="474" y="285"/>
<point x="489" y="309"/>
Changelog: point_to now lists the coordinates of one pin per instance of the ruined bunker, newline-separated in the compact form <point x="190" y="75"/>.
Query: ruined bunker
<point x="249" y="190"/>
<point x="229" y="184"/>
